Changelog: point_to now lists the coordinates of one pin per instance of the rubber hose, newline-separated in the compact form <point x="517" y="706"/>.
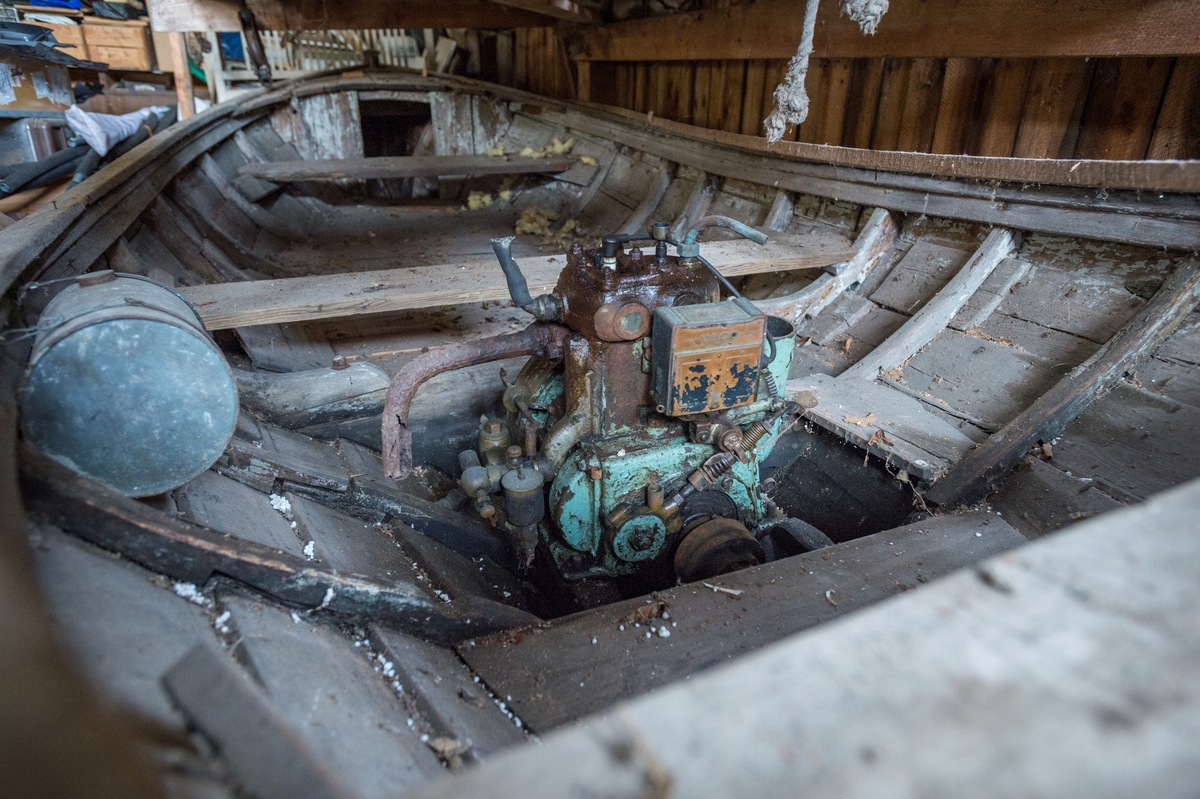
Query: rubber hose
<point x="20" y="177"/>
<point x="86" y="166"/>
<point x="57" y="173"/>
<point x="166" y="120"/>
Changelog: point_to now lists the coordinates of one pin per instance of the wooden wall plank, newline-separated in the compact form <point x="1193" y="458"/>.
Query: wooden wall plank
<point x="1177" y="130"/>
<point x="921" y="100"/>
<point x="656" y="87"/>
<point x="700" y="93"/>
<point x="716" y="95"/>
<point x="731" y="104"/>
<point x="837" y="77"/>
<point x="1119" y="121"/>
<point x="863" y="102"/>
<point x="639" y="87"/>
<point x="1054" y="87"/>
<point x="956" y="107"/>
<point x="891" y="104"/>
<point x="752" y="98"/>
<point x="818" y="91"/>
<point x="679" y="91"/>
<point x="1003" y="101"/>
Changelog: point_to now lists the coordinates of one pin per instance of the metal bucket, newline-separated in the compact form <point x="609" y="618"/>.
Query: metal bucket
<point x="126" y="386"/>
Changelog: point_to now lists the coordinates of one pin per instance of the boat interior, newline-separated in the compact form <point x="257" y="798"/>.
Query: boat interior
<point x="997" y="349"/>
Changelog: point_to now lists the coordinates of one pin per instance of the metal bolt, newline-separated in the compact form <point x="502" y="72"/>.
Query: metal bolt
<point x="491" y="427"/>
<point x="642" y="540"/>
<point x="339" y="363"/>
<point x="726" y="482"/>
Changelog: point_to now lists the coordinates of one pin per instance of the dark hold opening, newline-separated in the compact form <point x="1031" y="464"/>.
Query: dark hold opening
<point x="397" y="128"/>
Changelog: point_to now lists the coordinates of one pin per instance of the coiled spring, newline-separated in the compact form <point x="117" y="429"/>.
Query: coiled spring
<point x="753" y="434"/>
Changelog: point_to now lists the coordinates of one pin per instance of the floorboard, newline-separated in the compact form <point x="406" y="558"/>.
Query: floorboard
<point x="562" y="670"/>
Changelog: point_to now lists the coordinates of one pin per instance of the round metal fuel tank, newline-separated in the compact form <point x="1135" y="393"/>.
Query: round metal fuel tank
<point x="126" y="386"/>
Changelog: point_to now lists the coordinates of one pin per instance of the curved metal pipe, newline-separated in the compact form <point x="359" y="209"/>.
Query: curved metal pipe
<point x="716" y="220"/>
<point x="575" y="424"/>
<point x="537" y="339"/>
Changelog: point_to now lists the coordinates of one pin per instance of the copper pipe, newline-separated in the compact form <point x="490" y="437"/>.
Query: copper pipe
<point x="537" y="339"/>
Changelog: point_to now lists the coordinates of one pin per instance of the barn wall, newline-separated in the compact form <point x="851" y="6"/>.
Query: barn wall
<point x="1104" y="108"/>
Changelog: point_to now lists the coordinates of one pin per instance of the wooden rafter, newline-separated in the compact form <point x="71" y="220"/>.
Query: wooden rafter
<point x="933" y="28"/>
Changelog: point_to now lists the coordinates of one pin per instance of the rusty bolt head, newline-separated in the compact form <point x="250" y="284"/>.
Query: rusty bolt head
<point x="731" y="440"/>
<point x="727" y="482"/>
<point x="339" y="363"/>
<point x="642" y="540"/>
<point x="492" y="427"/>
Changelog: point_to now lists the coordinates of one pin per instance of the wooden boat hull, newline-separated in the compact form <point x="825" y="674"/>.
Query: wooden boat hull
<point x="962" y="317"/>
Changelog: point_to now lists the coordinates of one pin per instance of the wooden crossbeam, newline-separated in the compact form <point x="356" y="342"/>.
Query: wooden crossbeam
<point x="264" y="302"/>
<point x="929" y="29"/>
<point x="409" y="166"/>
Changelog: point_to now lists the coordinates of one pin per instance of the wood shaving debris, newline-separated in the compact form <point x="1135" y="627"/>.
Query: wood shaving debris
<point x="587" y="159"/>
<point x="846" y="344"/>
<point x="478" y="200"/>
<point x="861" y="421"/>
<point x="829" y="597"/>
<point x="555" y="147"/>
<point x="497" y="151"/>
<point x="879" y="437"/>
<point x="449" y="750"/>
<point x="646" y="613"/>
<point x="723" y="590"/>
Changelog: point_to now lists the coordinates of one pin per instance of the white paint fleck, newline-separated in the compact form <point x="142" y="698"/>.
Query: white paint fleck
<point x="281" y="504"/>
<point x="309" y="548"/>
<point x="192" y="594"/>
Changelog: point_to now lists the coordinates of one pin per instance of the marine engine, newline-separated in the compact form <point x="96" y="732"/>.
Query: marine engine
<point x="634" y="434"/>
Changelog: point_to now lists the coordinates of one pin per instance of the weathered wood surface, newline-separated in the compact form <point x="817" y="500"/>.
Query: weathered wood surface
<point x="639" y="219"/>
<point x="264" y="753"/>
<point x="876" y="237"/>
<point x="299" y="399"/>
<point x="1055" y="669"/>
<point x="409" y="166"/>
<point x="192" y="554"/>
<point x="891" y="425"/>
<point x="921" y="273"/>
<point x="982" y="468"/>
<point x="1132" y="444"/>
<point x="942" y="28"/>
<point x="124" y="629"/>
<point x="446" y="696"/>
<point x="264" y="302"/>
<point x="933" y="317"/>
<point x="350" y="716"/>
<point x="567" y="668"/>
<point x="1039" y="498"/>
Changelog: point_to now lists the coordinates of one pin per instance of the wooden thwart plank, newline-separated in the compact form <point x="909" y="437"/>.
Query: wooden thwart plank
<point x="263" y="302"/>
<point x="540" y="669"/>
<point x="986" y="465"/>
<point x="409" y="166"/>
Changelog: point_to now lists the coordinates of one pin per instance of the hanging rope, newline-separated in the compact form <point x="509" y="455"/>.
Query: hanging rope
<point x="791" y="100"/>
